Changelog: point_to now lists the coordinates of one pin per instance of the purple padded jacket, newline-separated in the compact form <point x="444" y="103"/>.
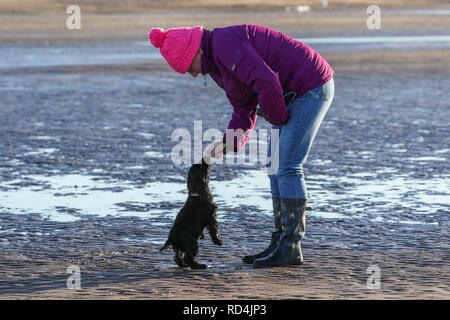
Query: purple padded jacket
<point x="255" y="64"/>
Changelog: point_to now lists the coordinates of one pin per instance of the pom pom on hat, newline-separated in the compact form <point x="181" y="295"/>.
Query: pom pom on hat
<point x="178" y="46"/>
<point x="157" y="36"/>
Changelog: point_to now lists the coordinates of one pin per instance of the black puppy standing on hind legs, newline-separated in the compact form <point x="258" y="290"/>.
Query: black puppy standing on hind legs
<point x="198" y="212"/>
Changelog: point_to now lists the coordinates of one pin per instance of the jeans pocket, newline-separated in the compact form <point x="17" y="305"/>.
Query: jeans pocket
<point x="316" y="92"/>
<point x="324" y="92"/>
<point x="320" y="93"/>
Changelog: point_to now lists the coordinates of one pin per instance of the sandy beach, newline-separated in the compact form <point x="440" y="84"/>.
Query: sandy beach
<point x="86" y="176"/>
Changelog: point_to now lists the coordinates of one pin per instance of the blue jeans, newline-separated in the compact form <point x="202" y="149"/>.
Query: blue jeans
<point x="295" y="139"/>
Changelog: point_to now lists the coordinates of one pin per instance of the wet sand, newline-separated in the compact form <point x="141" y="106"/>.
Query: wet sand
<point x="29" y="21"/>
<point x="377" y="176"/>
<point x="34" y="266"/>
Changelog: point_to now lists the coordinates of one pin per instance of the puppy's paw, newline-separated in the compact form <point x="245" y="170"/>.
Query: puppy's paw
<point x="197" y="265"/>
<point x="179" y="261"/>
<point x="218" y="241"/>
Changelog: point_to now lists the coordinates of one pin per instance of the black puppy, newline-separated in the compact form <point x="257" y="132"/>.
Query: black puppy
<point x="198" y="212"/>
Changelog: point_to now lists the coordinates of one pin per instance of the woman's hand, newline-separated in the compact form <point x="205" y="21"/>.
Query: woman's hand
<point x="215" y="150"/>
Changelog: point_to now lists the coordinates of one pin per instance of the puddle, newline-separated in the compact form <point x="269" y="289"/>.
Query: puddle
<point x="136" y="105"/>
<point x="357" y="195"/>
<point x="155" y="154"/>
<point x="43" y="138"/>
<point x="66" y="197"/>
<point x="298" y="10"/>
<point x="378" y="43"/>
<point x="95" y="54"/>
<point x="385" y="39"/>
<point x="14" y="162"/>
<point x="89" y="195"/>
<point x="364" y="175"/>
<point x="146" y="135"/>
<point x="442" y="151"/>
<point x="102" y="53"/>
<point x="41" y="151"/>
<point x="432" y="12"/>
<point x="366" y="154"/>
<point x="386" y="170"/>
<point x="136" y="168"/>
<point x="415" y="222"/>
<point x="320" y="162"/>
<point x="427" y="159"/>
<point x="328" y="215"/>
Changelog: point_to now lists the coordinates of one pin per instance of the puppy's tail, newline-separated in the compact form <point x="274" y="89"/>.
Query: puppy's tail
<point x="166" y="245"/>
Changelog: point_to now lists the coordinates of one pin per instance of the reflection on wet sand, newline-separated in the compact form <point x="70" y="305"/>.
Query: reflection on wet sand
<point x="80" y="195"/>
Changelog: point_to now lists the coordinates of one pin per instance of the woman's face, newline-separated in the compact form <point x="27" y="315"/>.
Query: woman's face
<point x="196" y="66"/>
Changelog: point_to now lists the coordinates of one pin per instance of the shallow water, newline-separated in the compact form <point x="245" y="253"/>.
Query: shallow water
<point x="303" y="11"/>
<point x="74" y="55"/>
<point x="65" y="198"/>
<point x="53" y="196"/>
<point x="419" y="11"/>
<point x="138" y="52"/>
<point x="378" y="43"/>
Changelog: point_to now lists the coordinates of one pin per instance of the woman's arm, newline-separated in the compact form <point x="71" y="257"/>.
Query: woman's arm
<point x="243" y="119"/>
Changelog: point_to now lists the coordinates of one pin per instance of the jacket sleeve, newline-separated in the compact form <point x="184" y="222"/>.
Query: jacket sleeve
<point x="242" y="119"/>
<point x="245" y="63"/>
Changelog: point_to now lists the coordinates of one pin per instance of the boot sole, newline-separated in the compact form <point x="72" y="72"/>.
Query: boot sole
<point x="248" y="261"/>
<point x="259" y="266"/>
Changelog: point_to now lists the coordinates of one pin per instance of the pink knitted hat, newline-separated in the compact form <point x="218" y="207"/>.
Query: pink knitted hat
<point x="178" y="45"/>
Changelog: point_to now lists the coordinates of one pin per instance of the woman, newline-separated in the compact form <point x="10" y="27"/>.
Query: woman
<point x="257" y="65"/>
